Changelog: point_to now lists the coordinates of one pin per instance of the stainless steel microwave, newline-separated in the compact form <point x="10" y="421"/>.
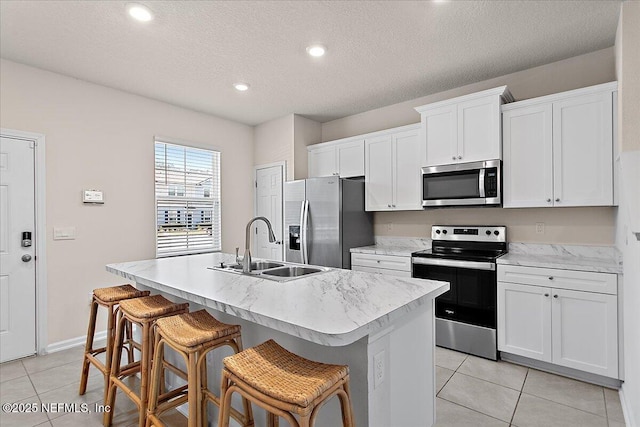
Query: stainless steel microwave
<point x="462" y="184"/>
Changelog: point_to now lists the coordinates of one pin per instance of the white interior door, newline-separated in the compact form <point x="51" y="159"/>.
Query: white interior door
<point x="268" y="203"/>
<point x="17" y="264"/>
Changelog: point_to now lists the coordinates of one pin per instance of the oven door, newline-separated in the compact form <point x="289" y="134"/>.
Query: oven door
<point x="472" y="295"/>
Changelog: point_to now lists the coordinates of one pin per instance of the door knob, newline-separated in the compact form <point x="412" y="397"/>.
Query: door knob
<point x="26" y="258"/>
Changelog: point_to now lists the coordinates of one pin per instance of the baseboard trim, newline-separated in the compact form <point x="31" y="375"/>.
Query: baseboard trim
<point x="561" y="370"/>
<point x="626" y="408"/>
<point x="73" y="342"/>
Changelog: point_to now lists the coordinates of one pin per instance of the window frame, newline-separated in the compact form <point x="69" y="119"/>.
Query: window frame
<point x="186" y="200"/>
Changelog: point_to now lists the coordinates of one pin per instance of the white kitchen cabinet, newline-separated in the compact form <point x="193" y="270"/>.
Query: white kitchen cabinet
<point x="558" y="149"/>
<point x="392" y="265"/>
<point x="344" y="158"/>
<point x="392" y="171"/>
<point x="463" y="129"/>
<point x="542" y="316"/>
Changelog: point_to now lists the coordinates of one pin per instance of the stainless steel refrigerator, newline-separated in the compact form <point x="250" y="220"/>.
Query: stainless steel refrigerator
<point x="324" y="218"/>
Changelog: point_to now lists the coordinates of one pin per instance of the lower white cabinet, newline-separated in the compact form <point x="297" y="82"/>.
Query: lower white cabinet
<point x="392" y="265"/>
<point x="566" y="327"/>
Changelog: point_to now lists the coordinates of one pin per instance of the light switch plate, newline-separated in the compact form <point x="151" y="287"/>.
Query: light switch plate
<point x="92" y="196"/>
<point x="64" y="233"/>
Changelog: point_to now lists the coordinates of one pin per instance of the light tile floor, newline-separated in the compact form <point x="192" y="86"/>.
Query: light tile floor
<point x="471" y="392"/>
<point x="55" y="378"/>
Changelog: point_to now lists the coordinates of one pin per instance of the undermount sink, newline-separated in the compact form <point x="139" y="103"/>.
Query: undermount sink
<point x="258" y="265"/>
<point x="291" y="271"/>
<point x="277" y="271"/>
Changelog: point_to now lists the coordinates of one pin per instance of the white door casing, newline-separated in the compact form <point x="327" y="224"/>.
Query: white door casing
<point x="268" y="203"/>
<point x="17" y="263"/>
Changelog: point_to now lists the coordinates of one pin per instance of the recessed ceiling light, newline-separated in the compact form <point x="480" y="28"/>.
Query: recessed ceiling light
<point x="139" y="12"/>
<point x="241" y="86"/>
<point x="316" y="50"/>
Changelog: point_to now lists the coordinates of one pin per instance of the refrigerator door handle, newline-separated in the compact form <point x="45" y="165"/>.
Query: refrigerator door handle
<point x="304" y="231"/>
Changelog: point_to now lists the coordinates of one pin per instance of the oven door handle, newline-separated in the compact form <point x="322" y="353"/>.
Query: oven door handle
<point x="476" y="265"/>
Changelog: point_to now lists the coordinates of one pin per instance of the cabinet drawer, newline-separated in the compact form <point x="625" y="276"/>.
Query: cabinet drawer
<point x="385" y="271"/>
<point x="604" y="283"/>
<point x="389" y="262"/>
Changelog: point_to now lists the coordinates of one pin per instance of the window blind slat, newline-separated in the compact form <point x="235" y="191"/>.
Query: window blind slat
<point x="187" y="186"/>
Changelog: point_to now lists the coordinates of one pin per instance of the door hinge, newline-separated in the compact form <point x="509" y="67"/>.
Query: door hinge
<point x="256" y="183"/>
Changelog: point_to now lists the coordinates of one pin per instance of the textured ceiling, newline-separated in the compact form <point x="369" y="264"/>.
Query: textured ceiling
<point x="378" y="52"/>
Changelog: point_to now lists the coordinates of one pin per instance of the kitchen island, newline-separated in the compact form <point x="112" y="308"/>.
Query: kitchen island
<point x="381" y="326"/>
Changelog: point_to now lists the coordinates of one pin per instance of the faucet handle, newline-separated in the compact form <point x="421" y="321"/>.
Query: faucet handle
<point x="238" y="260"/>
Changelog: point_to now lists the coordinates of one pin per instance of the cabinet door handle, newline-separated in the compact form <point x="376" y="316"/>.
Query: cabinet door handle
<point x="388" y="206"/>
<point x="550" y="277"/>
<point x="393" y="206"/>
<point x="558" y="199"/>
<point x="555" y="296"/>
<point x="548" y="200"/>
<point x="453" y="158"/>
<point x="459" y="157"/>
<point x="546" y="295"/>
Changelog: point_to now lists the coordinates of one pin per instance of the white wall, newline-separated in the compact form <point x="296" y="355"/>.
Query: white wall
<point x="628" y="219"/>
<point x="97" y="137"/>
<point x="305" y="132"/>
<point x="588" y="226"/>
<point x="273" y="142"/>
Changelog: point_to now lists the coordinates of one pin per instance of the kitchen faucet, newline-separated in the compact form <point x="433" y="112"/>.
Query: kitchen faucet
<point x="246" y="260"/>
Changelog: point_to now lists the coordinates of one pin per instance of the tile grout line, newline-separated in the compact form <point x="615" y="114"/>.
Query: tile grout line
<point x="566" y="406"/>
<point x="519" y="396"/>
<point x="474" y="410"/>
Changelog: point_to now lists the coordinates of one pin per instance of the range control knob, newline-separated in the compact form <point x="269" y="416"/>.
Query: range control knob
<point x="488" y="232"/>
<point x="444" y="231"/>
<point x="437" y="231"/>
<point x="496" y="232"/>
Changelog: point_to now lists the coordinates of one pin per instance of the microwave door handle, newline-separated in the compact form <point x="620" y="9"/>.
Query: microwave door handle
<point x="481" y="183"/>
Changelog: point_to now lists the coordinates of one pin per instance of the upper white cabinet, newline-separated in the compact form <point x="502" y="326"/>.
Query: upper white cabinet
<point x="558" y="149"/>
<point x="463" y="129"/>
<point x="392" y="170"/>
<point x="344" y="158"/>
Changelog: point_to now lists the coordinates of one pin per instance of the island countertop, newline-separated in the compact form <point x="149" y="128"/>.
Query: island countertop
<point x="333" y="308"/>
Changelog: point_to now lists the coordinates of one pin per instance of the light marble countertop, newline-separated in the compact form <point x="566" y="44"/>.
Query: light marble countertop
<point x="602" y="259"/>
<point x="334" y="308"/>
<point x="397" y="246"/>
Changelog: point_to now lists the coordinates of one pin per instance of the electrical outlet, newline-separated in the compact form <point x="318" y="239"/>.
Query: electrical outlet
<point x="378" y="369"/>
<point x="539" y="227"/>
<point x="390" y="226"/>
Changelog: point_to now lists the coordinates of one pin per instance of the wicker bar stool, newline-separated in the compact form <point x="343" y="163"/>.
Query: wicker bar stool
<point x="193" y="336"/>
<point x="284" y="384"/>
<point x="142" y="312"/>
<point x="108" y="298"/>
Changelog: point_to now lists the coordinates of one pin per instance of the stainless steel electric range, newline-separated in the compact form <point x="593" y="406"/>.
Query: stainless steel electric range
<point x="464" y="256"/>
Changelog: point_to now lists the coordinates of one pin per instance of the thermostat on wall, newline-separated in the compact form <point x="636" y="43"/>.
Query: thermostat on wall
<point x="92" y="196"/>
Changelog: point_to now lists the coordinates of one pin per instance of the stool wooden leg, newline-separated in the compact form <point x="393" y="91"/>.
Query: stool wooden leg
<point x="144" y="372"/>
<point x="192" y="391"/>
<point x="272" y="420"/>
<point x="130" y="348"/>
<point x="345" y="403"/>
<point x="111" y="332"/>
<point x="110" y="398"/>
<point x="157" y="377"/>
<point x="202" y="381"/>
<point x="225" y="401"/>
<point x="88" y="347"/>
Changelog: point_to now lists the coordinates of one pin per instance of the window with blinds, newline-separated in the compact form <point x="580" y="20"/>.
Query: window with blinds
<point x="187" y="200"/>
